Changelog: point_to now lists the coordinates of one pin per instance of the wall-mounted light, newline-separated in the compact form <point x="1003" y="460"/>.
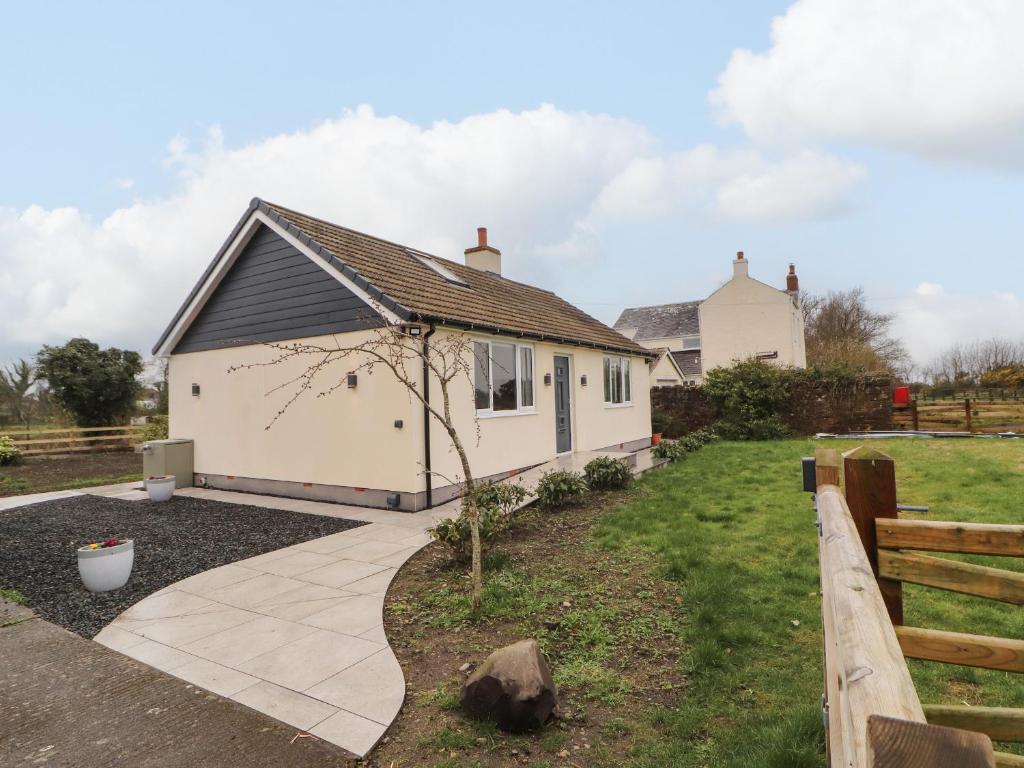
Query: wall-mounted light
<point x="583" y="380"/>
<point x="351" y="379"/>
<point x="195" y="390"/>
<point x="415" y="330"/>
<point x="399" y="423"/>
<point x="547" y="379"/>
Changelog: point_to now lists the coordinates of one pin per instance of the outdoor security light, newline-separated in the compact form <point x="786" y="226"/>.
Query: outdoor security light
<point x="547" y="379"/>
<point x="583" y="380"/>
<point x="195" y="390"/>
<point x="351" y="379"/>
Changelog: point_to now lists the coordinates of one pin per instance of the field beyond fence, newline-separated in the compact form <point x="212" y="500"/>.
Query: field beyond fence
<point x="43" y="442"/>
<point x="980" y="411"/>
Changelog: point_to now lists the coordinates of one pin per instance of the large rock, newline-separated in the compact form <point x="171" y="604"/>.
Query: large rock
<point x="513" y="687"/>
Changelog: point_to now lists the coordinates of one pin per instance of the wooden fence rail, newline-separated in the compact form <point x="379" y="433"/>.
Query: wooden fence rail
<point x="966" y="414"/>
<point x="873" y="715"/>
<point x="74" y="439"/>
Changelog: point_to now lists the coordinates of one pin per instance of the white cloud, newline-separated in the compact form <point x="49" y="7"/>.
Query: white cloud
<point x="124" y="183"/>
<point x="939" y="78"/>
<point x="731" y="184"/>
<point x="544" y="181"/>
<point x="930" y="319"/>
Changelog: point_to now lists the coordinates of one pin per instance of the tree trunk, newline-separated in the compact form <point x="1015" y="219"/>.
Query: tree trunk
<point x="469" y="507"/>
<point x="472" y="513"/>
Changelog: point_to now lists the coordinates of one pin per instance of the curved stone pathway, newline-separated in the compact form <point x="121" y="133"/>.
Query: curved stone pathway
<point x="296" y="633"/>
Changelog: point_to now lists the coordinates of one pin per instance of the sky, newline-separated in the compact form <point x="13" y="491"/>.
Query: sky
<point x="620" y="154"/>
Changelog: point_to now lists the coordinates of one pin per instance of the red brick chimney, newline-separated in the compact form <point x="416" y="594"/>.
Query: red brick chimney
<point x="792" y="281"/>
<point x="482" y="256"/>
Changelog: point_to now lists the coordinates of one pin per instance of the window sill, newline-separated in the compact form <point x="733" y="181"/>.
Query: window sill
<point x="618" y="405"/>
<point x="505" y="414"/>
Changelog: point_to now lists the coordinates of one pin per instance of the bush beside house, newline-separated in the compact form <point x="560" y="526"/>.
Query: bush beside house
<point x="755" y="400"/>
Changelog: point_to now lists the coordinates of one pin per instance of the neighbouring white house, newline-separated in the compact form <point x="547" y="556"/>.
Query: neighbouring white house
<point x="743" y="319"/>
<point x="547" y="379"/>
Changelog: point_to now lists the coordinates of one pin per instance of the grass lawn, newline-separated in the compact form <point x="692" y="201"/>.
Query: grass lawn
<point x="724" y="550"/>
<point x="59" y="473"/>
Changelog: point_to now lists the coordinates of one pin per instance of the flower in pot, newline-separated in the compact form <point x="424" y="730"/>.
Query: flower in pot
<point x="160" y="488"/>
<point x="656" y="438"/>
<point x="106" y="565"/>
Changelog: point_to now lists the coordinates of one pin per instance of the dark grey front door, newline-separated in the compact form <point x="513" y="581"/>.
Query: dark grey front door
<point x="563" y="418"/>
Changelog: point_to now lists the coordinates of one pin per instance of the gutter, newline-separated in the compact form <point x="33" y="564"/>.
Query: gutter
<point x="427" y="417"/>
<point x="652" y="354"/>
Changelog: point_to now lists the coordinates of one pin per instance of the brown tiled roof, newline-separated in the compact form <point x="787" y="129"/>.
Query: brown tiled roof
<point x="486" y="301"/>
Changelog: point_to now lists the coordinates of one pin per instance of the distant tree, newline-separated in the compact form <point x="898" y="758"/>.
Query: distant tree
<point x="162" y="390"/>
<point x="95" y="386"/>
<point x="991" y="362"/>
<point x="840" y="329"/>
<point x="15" y="383"/>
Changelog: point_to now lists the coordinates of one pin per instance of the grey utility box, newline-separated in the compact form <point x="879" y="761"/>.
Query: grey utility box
<point x="168" y="457"/>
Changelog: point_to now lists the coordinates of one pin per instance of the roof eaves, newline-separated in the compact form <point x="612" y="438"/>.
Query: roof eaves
<point x="499" y="330"/>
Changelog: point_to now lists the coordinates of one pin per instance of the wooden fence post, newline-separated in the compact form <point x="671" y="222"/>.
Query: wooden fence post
<point x="871" y="494"/>
<point x="967" y="412"/>
<point x="826" y="466"/>
<point x="913" y="414"/>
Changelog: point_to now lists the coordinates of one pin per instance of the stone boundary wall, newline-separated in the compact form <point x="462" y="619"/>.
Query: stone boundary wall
<point x="815" y="405"/>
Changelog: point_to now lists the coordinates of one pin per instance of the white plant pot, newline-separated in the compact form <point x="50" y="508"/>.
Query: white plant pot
<point x="106" y="568"/>
<point x="160" y="488"/>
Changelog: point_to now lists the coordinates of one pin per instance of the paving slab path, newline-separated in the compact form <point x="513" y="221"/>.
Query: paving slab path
<point x="298" y="633"/>
<point x="67" y="701"/>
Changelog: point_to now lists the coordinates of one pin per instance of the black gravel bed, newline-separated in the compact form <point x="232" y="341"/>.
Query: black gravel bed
<point x="173" y="540"/>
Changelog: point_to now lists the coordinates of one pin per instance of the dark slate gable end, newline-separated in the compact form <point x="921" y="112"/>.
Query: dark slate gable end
<point x="274" y="293"/>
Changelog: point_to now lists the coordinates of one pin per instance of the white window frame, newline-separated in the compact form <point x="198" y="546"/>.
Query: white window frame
<point x="625" y="372"/>
<point x="520" y="410"/>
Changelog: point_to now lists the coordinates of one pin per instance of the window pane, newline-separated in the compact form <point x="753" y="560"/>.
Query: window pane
<point x="526" y="377"/>
<point x="480" y="385"/>
<point x="607" y="380"/>
<point x="625" y="381"/>
<point x="616" y="380"/>
<point x="692" y="343"/>
<point x="503" y="371"/>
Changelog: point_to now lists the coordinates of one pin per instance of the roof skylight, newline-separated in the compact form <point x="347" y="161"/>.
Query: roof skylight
<point x="443" y="271"/>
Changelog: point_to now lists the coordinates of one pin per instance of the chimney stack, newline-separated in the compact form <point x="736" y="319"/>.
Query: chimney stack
<point x="739" y="266"/>
<point x="483" y="256"/>
<point x="792" y="282"/>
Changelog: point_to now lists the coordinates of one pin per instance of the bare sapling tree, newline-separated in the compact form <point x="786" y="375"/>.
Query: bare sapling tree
<point x="445" y="358"/>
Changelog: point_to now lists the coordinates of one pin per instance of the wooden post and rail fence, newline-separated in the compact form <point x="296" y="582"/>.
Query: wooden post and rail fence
<point x="963" y="414"/>
<point x="42" y="442"/>
<point x="873" y="716"/>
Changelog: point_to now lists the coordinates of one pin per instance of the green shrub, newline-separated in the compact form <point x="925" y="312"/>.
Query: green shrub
<point x="455" y="531"/>
<point x="496" y="503"/>
<point x="673" y="450"/>
<point x="770" y="427"/>
<point x="705" y="436"/>
<point x="748" y="399"/>
<point x="156" y="427"/>
<point x="561" y="488"/>
<point x="9" y="453"/>
<point x="605" y="474"/>
<point x="659" y="422"/>
<point x="503" y="497"/>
